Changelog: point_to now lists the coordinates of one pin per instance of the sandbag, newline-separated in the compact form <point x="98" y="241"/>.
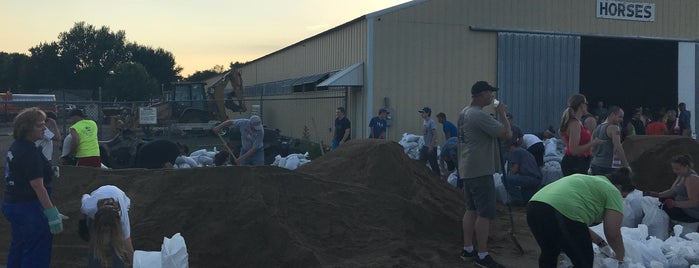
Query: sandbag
<point x="655" y="218"/>
<point x="174" y="252"/>
<point x="147" y="259"/>
<point x="633" y="210"/>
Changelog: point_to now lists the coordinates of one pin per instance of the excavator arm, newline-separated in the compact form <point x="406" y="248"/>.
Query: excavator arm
<point x="225" y="101"/>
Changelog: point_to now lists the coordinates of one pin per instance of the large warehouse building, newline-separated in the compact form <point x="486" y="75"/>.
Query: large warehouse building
<point x="429" y="53"/>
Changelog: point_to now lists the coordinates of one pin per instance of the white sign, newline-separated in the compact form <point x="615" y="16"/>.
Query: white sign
<point x="147" y="115"/>
<point x="608" y="9"/>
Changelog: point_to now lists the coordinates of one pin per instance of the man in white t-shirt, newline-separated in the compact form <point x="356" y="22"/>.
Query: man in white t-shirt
<point x="535" y="146"/>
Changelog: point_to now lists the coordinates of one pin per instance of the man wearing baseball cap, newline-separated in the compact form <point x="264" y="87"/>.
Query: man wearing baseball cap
<point x="428" y="152"/>
<point x="479" y="158"/>
<point x="377" y="125"/>
<point x="252" y="133"/>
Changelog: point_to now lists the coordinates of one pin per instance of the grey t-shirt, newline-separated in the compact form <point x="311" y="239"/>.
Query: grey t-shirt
<point x="479" y="154"/>
<point x="250" y="138"/>
<point x="428" y="126"/>
<point x="525" y="160"/>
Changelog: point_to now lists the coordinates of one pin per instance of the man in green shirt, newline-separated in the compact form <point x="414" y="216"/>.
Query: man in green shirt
<point x="84" y="144"/>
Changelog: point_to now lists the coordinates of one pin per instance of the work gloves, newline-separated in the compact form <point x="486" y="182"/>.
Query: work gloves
<point x="55" y="220"/>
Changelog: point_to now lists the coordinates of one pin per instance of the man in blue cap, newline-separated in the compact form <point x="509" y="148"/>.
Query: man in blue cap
<point x="377" y="125"/>
<point x="429" y="134"/>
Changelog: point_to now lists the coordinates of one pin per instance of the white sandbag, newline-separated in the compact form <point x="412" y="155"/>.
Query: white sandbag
<point x="190" y="161"/>
<point x="180" y="160"/>
<point x="292" y="162"/>
<point x="184" y="165"/>
<point x="204" y="160"/>
<point x="500" y="191"/>
<point x="453" y="178"/>
<point x="197" y="153"/>
<point x="633" y="210"/>
<point x="147" y="259"/>
<point x="551" y="172"/>
<point x="174" y="252"/>
<point x="655" y="218"/>
<point x="210" y="154"/>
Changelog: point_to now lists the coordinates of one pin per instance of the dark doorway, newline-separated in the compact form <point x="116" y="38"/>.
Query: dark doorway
<point x="629" y="73"/>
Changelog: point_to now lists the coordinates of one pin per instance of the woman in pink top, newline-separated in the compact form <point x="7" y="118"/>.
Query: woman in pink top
<point x="577" y="138"/>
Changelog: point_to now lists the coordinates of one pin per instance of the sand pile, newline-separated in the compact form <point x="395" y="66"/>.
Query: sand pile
<point x="650" y="157"/>
<point x="365" y="204"/>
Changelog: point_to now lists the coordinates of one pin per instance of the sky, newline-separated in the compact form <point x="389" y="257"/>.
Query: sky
<point x="200" y="34"/>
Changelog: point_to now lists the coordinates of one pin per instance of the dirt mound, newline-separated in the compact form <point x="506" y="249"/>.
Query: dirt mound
<point x="363" y="205"/>
<point x="650" y="157"/>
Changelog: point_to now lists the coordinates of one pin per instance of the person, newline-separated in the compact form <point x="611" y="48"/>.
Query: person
<point x="84" y="145"/>
<point x="341" y="133"/>
<point x="577" y="138"/>
<point x="546" y="134"/>
<point x="523" y="178"/>
<point x="609" y="155"/>
<point x="685" y="122"/>
<point x="105" y="224"/>
<point x="600" y="111"/>
<point x="681" y="201"/>
<point x="672" y="123"/>
<point x="157" y="154"/>
<point x="448" y="127"/>
<point x="517" y="136"/>
<point x="657" y="127"/>
<point x="377" y="125"/>
<point x="27" y="196"/>
<point x="428" y="152"/>
<point x="589" y="122"/>
<point x="252" y="133"/>
<point x="636" y="126"/>
<point x="221" y="159"/>
<point x="534" y="146"/>
<point x="448" y="156"/>
<point x="479" y="159"/>
<point x="52" y="133"/>
<point x="559" y="215"/>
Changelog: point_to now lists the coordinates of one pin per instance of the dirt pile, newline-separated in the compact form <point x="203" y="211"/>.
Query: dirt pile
<point x="364" y="205"/>
<point x="650" y="156"/>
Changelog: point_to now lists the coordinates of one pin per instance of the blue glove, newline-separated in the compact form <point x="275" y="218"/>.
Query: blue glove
<point x="55" y="220"/>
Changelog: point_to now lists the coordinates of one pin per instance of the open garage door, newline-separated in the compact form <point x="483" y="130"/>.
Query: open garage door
<point x="537" y="74"/>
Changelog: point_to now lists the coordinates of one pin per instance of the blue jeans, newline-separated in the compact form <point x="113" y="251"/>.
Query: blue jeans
<point x="521" y="188"/>
<point x="31" y="238"/>
<point x="257" y="159"/>
<point x="336" y="143"/>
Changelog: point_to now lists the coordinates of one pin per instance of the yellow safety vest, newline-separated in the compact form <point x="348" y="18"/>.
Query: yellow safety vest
<point x="87" y="132"/>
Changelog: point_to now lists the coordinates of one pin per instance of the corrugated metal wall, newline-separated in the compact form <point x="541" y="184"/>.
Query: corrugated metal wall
<point x="331" y="51"/>
<point x="537" y="74"/>
<point x="426" y="56"/>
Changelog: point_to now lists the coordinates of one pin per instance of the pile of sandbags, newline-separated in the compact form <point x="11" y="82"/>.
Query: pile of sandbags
<point x="554" y="149"/>
<point x="411" y="145"/>
<point x="292" y="161"/>
<point x="198" y="158"/>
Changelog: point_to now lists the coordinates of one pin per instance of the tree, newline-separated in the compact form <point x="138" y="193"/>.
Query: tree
<point x="159" y="63"/>
<point x="14" y="71"/>
<point x="48" y="69"/>
<point x="203" y="75"/>
<point x="130" y="82"/>
<point x="91" y="53"/>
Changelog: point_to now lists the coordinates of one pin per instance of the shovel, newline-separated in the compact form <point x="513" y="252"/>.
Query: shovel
<point x="230" y="152"/>
<point x="511" y="231"/>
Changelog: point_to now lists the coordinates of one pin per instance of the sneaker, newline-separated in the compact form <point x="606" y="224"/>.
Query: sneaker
<point x="467" y="256"/>
<point x="488" y="262"/>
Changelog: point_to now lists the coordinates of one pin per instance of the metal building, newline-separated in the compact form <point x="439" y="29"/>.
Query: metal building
<point x="430" y="52"/>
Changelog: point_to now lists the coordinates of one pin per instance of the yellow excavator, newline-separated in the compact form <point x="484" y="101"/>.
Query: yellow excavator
<point x="192" y="105"/>
<point x="194" y="102"/>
